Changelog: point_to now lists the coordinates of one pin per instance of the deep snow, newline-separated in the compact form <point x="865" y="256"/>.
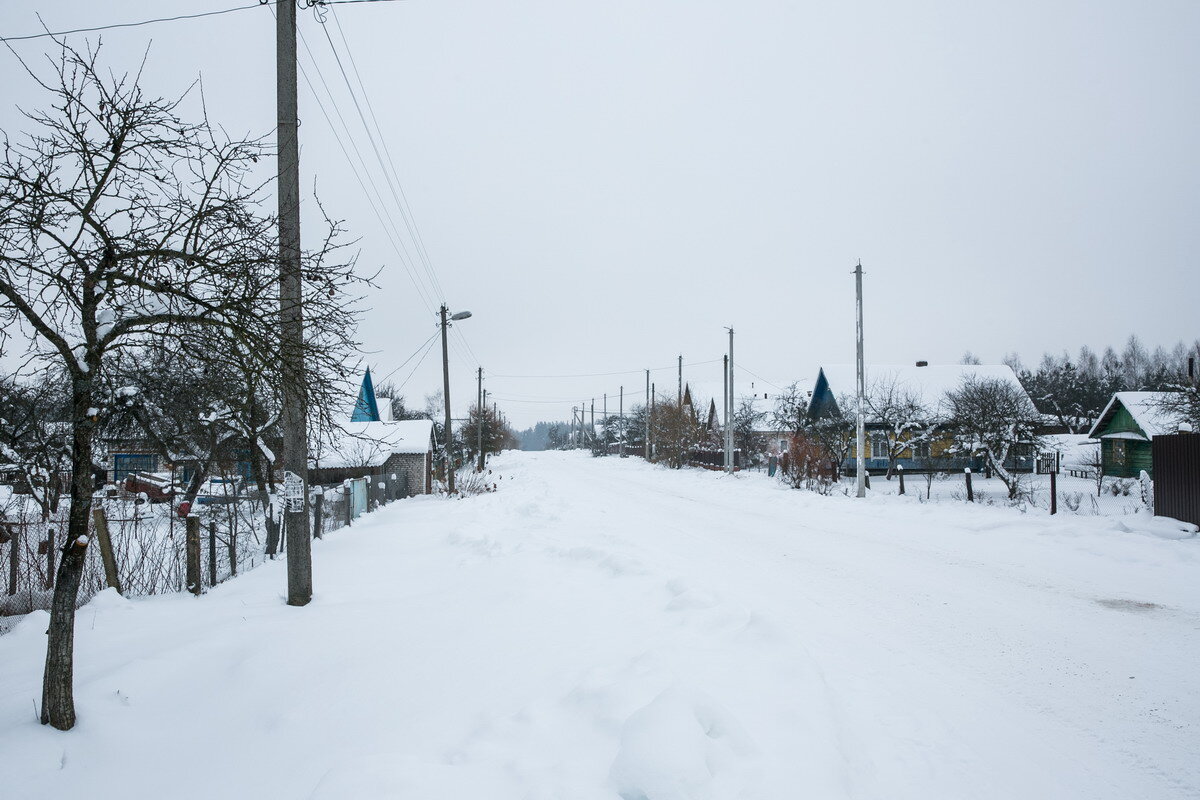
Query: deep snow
<point x="601" y="628"/>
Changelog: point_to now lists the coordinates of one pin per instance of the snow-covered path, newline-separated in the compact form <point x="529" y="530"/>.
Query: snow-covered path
<point x="600" y="628"/>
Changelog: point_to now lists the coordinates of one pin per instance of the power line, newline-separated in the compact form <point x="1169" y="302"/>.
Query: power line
<point x="129" y="24"/>
<point x="391" y="233"/>
<point x="608" y="374"/>
<point x="410" y="358"/>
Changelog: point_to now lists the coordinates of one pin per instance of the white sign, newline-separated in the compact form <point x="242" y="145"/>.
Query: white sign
<point x="293" y="491"/>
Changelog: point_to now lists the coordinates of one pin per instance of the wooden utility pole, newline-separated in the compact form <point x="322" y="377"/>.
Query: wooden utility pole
<point x="725" y="409"/>
<point x="621" y="418"/>
<point x="860" y="441"/>
<point x="646" y="433"/>
<point x="604" y="413"/>
<point x="291" y="350"/>
<point x="680" y="380"/>
<point x="479" y="413"/>
<point x="449" y="454"/>
<point x="650" y="422"/>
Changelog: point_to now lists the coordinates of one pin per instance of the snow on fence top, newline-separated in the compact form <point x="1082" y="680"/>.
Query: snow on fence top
<point x="372" y="443"/>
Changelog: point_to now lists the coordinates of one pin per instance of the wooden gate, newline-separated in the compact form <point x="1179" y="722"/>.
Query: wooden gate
<point x="1177" y="476"/>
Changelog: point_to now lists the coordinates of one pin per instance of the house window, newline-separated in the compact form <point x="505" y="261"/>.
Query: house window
<point x="879" y="445"/>
<point x="124" y="464"/>
<point x="1118" y="452"/>
<point x="921" y="450"/>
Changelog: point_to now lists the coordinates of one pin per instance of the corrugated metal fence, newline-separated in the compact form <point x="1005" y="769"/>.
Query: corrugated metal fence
<point x="1177" y="476"/>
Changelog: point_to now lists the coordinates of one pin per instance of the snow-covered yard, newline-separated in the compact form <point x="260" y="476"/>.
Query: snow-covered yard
<point x="601" y="628"/>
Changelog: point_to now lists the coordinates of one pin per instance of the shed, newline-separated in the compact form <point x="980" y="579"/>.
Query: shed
<point x="404" y="447"/>
<point x="1125" y="429"/>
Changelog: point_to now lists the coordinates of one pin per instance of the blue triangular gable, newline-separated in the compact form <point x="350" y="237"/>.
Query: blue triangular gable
<point x="366" y="410"/>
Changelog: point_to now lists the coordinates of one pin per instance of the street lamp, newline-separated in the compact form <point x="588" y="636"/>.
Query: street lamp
<point x="446" y="391"/>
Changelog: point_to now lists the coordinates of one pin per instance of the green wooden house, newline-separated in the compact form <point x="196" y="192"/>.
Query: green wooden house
<point x="1125" y="429"/>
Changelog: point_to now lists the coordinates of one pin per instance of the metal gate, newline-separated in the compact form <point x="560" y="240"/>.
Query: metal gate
<point x="1177" y="476"/>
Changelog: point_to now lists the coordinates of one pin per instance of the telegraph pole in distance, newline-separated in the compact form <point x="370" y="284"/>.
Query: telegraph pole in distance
<point x="483" y="409"/>
<point x="291" y="311"/>
<point x="861" y="434"/>
<point x="646" y="433"/>
<point x="604" y="413"/>
<point x="479" y="415"/>
<point x="680" y="400"/>
<point x="725" y="410"/>
<point x="621" y="417"/>
<point x="650" y="424"/>
<point x="729" y="411"/>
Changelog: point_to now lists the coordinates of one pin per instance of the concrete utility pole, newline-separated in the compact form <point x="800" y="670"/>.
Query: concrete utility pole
<point x="680" y="380"/>
<point x="725" y="410"/>
<point x="483" y="462"/>
<point x="604" y="413"/>
<point x="729" y="409"/>
<point x="646" y="433"/>
<point x="479" y="417"/>
<point x="861" y="435"/>
<point x="593" y="416"/>
<point x="294" y="416"/>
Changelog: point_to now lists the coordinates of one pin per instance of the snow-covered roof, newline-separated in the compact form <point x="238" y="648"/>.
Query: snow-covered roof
<point x="371" y="443"/>
<point x="758" y="392"/>
<point x="1146" y="410"/>
<point x="929" y="383"/>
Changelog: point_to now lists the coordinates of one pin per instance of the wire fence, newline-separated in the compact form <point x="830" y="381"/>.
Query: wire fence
<point x="149" y="539"/>
<point x="1069" y="492"/>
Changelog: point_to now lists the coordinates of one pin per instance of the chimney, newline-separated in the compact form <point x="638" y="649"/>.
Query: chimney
<point x="922" y="363"/>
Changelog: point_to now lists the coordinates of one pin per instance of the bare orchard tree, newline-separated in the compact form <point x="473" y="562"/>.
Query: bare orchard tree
<point x="832" y="431"/>
<point x="991" y="417"/>
<point x="120" y="224"/>
<point x="676" y="432"/>
<point x="791" y="409"/>
<point x="34" y="439"/>
<point x="905" y="420"/>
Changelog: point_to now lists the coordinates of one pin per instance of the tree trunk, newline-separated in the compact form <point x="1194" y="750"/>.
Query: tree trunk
<point x="58" y="700"/>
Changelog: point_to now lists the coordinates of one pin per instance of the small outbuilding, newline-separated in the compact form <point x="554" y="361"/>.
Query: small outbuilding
<point x="1126" y="428"/>
<point x="402" y="447"/>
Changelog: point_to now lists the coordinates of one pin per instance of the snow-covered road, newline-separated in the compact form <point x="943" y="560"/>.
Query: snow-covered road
<point x="600" y="628"/>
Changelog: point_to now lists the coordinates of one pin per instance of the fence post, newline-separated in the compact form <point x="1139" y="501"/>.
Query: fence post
<point x="106" y="548"/>
<point x="14" y="560"/>
<point x="212" y="551"/>
<point x="349" y="502"/>
<point x="318" y="501"/>
<point x="192" y="553"/>
<point x="900" y="472"/>
<point x="970" y="491"/>
<point x="233" y="548"/>
<point x="1053" y="493"/>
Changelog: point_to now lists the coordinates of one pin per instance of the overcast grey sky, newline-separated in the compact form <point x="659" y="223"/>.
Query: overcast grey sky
<point x="607" y="185"/>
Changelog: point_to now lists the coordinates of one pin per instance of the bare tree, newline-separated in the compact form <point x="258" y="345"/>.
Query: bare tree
<point x="121" y="225"/>
<point x="676" y="432"/>
<point x="905" y="420"/>
<point x="992" y="417"/>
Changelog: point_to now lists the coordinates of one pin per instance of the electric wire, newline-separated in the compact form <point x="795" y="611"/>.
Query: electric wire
<point x="410" y="358"/>
<point x="116" y="25"/>
<point x="391" y="232"/>
<point x="606" y="374"/>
